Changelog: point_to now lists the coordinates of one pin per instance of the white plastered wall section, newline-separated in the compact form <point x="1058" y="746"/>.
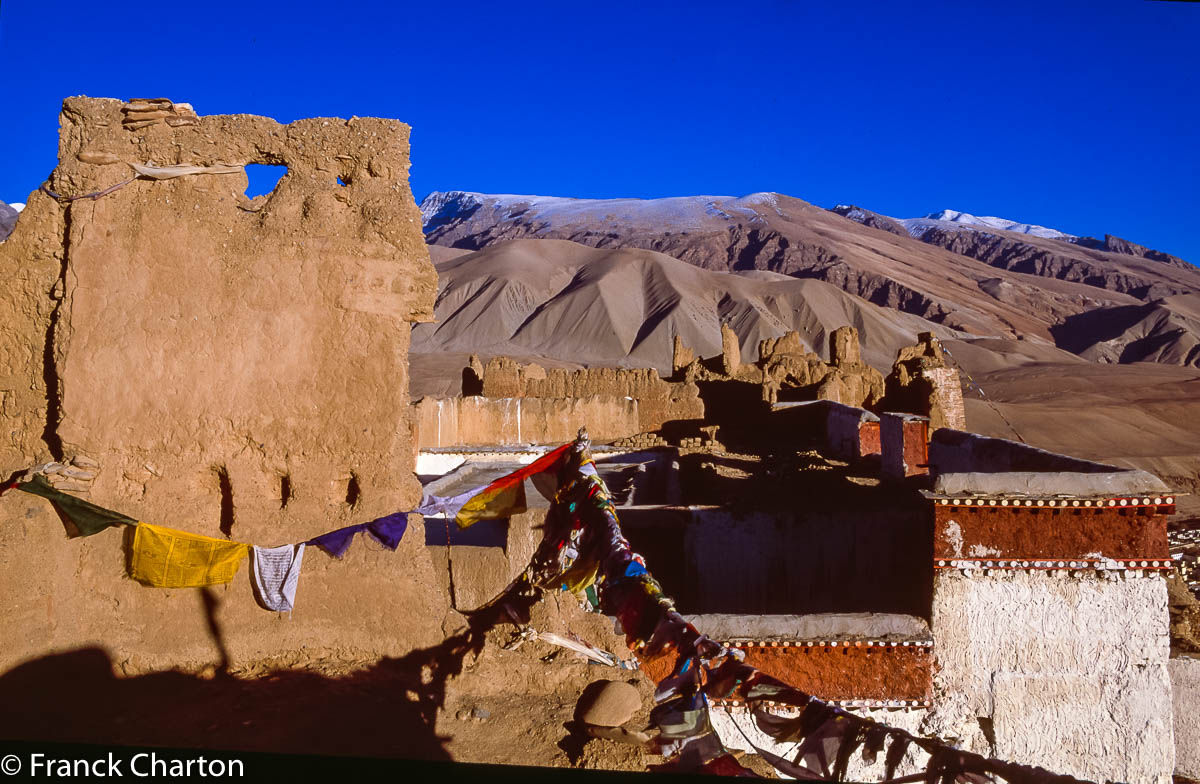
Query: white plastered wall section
<point x="1185" y="685"/>
<point x="1067" y="670"/>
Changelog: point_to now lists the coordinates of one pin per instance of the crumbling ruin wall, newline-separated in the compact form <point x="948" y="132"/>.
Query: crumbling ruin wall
<point x="786" y="365"/>
<point x="515" y="421"/>
<point x="32" y="262"/>
<point x="923" y="383"/>
<point x="1063" y="670"/>
<point x="481" y="573"/>
<point x="852" y="382"/>
<point x="238" y="368"/>
<point x="658" y="401"/>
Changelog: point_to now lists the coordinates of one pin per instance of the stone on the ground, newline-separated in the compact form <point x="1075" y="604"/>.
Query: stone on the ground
<point x="608" y="704"/>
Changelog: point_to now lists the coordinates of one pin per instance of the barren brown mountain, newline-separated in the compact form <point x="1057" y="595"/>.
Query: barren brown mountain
<point x="563" y="300"/>
<point x="768" y="231"/>
<point x="1114" y="264"/>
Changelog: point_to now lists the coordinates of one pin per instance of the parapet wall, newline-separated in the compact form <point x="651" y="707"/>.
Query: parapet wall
<point x="965" y="462"/>
<point x="1049" y="609"/>
<point x="236" y="367"/>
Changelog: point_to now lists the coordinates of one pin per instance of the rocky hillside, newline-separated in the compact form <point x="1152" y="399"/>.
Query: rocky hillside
<point x="1114" y="264"/>
<point x="8" y="219"/>
<point x="1164" y="330"/>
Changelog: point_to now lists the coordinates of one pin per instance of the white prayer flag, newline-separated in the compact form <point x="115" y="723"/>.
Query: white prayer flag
<point x="276" y="570"/>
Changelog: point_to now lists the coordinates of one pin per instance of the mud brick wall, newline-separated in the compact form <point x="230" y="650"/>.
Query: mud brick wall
<point x="481" y="421"/>
<point x="237" y="367"/>
<point x="658" y="401"/>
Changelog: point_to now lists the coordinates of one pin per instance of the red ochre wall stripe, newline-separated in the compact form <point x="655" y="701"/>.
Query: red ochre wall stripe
<point x="1041" y="532"/>
<point x="872" y="671"/>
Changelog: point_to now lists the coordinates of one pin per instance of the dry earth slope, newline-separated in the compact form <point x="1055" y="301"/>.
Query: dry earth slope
<point x="563" y="300"/>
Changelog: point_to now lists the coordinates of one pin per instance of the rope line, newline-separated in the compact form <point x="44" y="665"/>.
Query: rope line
<point x="975" y="384"/>
<point x="45" y="188"/>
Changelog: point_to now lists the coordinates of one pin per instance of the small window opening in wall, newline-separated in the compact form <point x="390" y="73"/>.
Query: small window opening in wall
<point x="263" y="178"/>
<point x="353" y="491"/>
<point x="285" y="491"/>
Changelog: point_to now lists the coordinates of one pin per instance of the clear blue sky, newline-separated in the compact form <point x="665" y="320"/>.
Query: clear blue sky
<point x="1083" y="116"/>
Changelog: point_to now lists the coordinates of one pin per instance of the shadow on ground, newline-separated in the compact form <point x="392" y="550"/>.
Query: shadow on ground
<point x="387" y="710"/>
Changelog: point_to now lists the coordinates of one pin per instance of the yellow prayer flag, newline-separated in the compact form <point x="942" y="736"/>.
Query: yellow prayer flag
<point x="493" y="502"/>
<point x="505" y="496"/>
<point x="166" y="558"/>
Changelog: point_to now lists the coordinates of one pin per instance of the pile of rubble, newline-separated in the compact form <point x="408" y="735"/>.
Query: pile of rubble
<point x="641" y="441"/>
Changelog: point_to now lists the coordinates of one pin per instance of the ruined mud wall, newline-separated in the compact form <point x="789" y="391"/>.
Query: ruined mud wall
<point x="237" y="367"/>
<point x="659" y="401"/>
<point x="515" y="421"/>
<point x="483" y="571"/>
<point x="1066" y="670"/>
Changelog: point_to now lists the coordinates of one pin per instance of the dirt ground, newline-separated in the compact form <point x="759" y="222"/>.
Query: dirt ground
<point x="478" y="697"/>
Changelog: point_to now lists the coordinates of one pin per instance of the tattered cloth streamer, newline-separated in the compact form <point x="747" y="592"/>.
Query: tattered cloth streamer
<point x="583" y="545"/>
<point x="183" y="170"/>
<point x="505" y="496"/>
<point x="152" y="172"/>
<point x="86" y="517"/>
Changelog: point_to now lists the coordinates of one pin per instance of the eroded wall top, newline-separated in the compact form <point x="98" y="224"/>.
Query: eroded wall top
<point x="201" y="344"/>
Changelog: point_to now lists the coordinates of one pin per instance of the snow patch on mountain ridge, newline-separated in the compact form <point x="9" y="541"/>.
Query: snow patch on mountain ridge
<point x="682" y="212"/>
<point x="989" y="221"/>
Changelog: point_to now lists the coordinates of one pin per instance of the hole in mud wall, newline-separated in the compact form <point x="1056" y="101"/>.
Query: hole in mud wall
<point x="285" y="491"/>
<point x="263" y="178"/>
<point x="472" y="384"/>
<point x="988" y="728"/>
<point x="226" y="490"/>
<point x="342" y="182"/>
<point x="353" y="491"/>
